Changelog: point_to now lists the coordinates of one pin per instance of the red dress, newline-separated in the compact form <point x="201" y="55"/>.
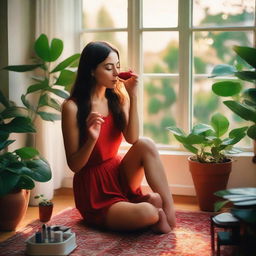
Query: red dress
<point x="100" y="184"/>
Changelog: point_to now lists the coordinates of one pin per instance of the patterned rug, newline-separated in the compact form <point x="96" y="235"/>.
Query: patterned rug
<point x="191" y="237"/>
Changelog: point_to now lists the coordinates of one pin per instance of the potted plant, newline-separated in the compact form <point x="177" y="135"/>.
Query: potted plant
<point x="51" y="82"/>
<point x="244" y="208"/>
<point x="211" y="165"/>
<point x="243" y="99"/>
<point x="45" y="208"/>
<point x="19" y="168"/>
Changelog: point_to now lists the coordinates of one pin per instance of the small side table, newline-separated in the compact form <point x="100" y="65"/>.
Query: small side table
<point x="230" y="235"/>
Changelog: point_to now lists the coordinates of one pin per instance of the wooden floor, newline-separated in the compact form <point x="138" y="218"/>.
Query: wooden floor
<point x="63" y="198"/>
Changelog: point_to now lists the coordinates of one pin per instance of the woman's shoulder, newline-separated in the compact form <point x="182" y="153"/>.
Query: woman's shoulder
<point x="69" y="105"/>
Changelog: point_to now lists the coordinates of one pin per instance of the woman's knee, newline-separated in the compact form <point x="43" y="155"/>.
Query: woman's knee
<point x="146" y="145"/>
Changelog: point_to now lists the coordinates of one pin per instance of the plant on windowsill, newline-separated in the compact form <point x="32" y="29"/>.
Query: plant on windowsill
<point x="45" y="208"/>
<point x="51" y="83"/>
<point x="19" y="168"/>
<point x="243" y="101"/>
<point x="211" y="164"/>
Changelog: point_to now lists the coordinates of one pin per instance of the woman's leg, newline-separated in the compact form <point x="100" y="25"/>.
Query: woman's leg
<point x="143" y="158"/>
<point x="129" y="216"/>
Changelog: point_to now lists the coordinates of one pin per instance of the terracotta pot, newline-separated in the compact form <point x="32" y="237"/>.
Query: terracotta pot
<point x="13" y="208"/>
<point x="45" y="212"/>
<point x="209" y="178"/>
<point x="254" y="151"/>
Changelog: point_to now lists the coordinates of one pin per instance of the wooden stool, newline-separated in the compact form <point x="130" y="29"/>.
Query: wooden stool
<point x="231" y="234"/>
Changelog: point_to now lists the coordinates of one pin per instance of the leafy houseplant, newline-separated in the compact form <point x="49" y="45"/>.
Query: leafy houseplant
<point x="51" y="81"/>
<point x="210" y="166"/>
<point x="45" y="208"/>
<point x="243" y="100"/>
<point x="19" y="168"/>
<point x="206" y="142"/>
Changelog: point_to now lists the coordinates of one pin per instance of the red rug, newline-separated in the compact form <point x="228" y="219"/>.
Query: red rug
<point x="190" y="237"/>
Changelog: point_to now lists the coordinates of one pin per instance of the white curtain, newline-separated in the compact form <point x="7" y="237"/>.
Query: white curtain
<point x="56" y="19"/>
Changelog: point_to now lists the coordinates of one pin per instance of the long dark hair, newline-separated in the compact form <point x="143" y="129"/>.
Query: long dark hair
<point x="92" y="55"/>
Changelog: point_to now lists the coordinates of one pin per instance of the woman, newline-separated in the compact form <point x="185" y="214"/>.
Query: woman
<point x="101" y="110"/>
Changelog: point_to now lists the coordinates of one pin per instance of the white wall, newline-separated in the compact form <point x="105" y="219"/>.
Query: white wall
<point x="20" y="36"/>
<point x="179" y="178"/>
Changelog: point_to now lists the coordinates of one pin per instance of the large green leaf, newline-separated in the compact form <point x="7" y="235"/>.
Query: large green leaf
<point x="18" y="125"/>
<point x="237" y="131"/>
<point x="252" y="132"/>
<point x="247" y="216"/>
<point x="219" y="204"/>
<point x="37" y="87"/>
<point x="26" y="102"/>
<point x="22" y="68"/>
<point x="194" y="139"/>
<point x="220" y="124"/>
<point x="66" y="63"/>
<point x="66" y="77"/>
<point x="46" y="100"/>
<point x="200" y="128"/>
<point x="226" y="88"/>
<point x="223" y="70"/>
<point x="232" y="141"/>
<point x="250" y="94"/>
<point x="8" y="182"/>
<point x="49" y="116"/>
<point x="14" y="111"/>
<point x="26" y="152"/>
<point x="246" y="53"/>
<point x="4" y="144"/>
<point x="25" y="182"/>
<point x="46" y="52"/>
<point x="190" y="148"/>
<point x="38" y="170"/>
<point x="246" y="75"/>
<point x="59" y="93"/>
<point x="241" y="110"/>
<point x="176" y="131"/>
<point x="56" y="49"/>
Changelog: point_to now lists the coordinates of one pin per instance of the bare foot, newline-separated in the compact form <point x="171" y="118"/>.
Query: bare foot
<point x="162" y="225"/>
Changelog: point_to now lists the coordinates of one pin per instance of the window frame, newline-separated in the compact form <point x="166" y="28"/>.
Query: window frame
<point x="186" y="32"/>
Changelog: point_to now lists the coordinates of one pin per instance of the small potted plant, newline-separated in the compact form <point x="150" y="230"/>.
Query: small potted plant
<point x="211" y="165"/>
<point x="45" y="208"/>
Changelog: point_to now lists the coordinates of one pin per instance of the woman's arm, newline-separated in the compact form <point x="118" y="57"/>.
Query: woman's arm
<point x="77" y="156"/>
<point x="131" y="131"/>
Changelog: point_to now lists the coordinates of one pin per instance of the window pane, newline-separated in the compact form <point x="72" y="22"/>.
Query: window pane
<point x="206" y="103"/>
<point x="104" y="14"/>
<point x="223" y="12"/>
<point x="160" y="108"/>
<point x="212" y="48"/>
<point x="161" y="13"/>
<point x="160" y="52"/>
<point x="118" y="39"/>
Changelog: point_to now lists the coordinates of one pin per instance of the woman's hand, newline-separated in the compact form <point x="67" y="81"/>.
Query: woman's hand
<point x="93" y="124"/>
<point x="131" y="85"/>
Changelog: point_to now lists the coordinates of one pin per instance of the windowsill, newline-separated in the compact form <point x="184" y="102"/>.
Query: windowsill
<point x="172" y="151"/>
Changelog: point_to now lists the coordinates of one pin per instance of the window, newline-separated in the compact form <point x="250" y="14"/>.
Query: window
<point x="173" y="45"/>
